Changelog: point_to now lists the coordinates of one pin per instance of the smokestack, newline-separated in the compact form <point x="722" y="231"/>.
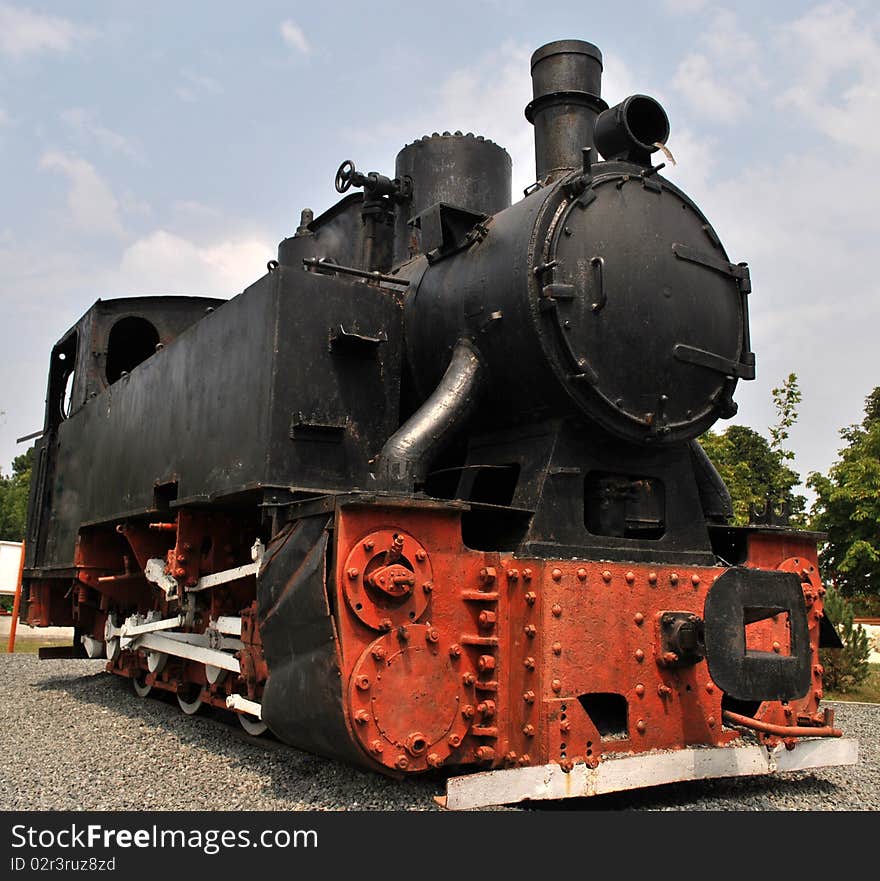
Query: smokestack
<point x="567" y="84"/>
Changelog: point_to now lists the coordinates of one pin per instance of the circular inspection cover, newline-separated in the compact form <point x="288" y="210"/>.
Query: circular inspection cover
<point x="406" y="694"/>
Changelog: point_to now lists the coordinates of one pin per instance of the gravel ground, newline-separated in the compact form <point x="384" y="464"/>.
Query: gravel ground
<point x="73" y="738"/>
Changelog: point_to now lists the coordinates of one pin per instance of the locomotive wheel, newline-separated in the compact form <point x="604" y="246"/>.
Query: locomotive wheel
<point x="254" y="727"/>
<point x="189" y="697"/>
<point x="139" y="683"/>
<point x="214" y="674"/>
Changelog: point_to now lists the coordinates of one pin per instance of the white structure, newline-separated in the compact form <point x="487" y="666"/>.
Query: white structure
<point x="10" y="560"/>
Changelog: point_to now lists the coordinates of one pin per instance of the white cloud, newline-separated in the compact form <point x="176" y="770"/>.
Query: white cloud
<point x="721" y="77"/>
<point x="23" y="31"/>
<point x="293" y="35"/>
<point x="86" y="125"/>
<point x="195" y="86"/>
<point x="93" y="208"/>
<point x="162" y="262"/>
<point x="683" y="7"/>
<point x="837" y="89"/>
<point x="487" y="98"/>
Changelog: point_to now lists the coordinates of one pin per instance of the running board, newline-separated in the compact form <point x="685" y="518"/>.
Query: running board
<point x="544" y="782"/>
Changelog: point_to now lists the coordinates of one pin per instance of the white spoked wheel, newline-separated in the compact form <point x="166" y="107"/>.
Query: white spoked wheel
<point x="140" y="685"/>
<point x="190" y="699"/>
<point x="156" y="661"/>
<point x="214" y="674"/>
<point x="255" y="727"/>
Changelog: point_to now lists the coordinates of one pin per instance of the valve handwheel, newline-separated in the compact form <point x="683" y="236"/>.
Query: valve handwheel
<point x="344" y="176"/>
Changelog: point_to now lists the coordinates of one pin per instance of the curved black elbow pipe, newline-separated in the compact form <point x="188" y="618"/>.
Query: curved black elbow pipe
<point x="404" y="460"/>
<point x="714" y="495"/>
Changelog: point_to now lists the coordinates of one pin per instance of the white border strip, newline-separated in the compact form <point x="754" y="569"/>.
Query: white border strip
<point x="508" y="786"/>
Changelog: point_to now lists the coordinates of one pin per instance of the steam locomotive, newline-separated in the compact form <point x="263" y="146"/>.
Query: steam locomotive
<point x="428" y="494"/>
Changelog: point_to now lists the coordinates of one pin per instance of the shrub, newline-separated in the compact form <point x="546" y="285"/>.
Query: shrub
<point x="848" y="667"/>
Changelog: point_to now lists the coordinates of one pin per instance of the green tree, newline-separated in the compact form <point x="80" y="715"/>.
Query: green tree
<point x="848" y="667"/>
<point x="847" y="507"/>
<point x="14" y="497"/>
<point x="754" y="468"/>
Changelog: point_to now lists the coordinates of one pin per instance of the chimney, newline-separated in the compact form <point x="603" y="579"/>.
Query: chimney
<point x="567" y="84"/>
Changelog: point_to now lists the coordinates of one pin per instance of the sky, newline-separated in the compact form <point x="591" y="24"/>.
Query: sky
<point x="166" y="148"/>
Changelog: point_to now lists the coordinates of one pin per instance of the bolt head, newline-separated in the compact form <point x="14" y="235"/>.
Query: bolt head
<point x="639" y="655"/>
<point x="710" y="721"/>
<point x="376" y="747"/>
<point x="513" y="574"/>
<point x="468" y="679"/>
<point x="486" y="662"/>
<point x="485" y="753"/>
<point x="695" y="579"/>
<point x="402" y="762"/>
<point x="641" y="726"/>
<point x="673" y="578"/>
<point x="454" y="740"/>
<point x="565" y="725"/>
<point x="455" y="650"/>
<point x="434" y="761"/>
<point x="368" y="545"/>
<point x="361" y="717"/>
<point x="432" y="634"/>
<point x="428" y="586"/>
<point x="652" y="578"/>
<point x="630" y="577"/>
<point x="528" y="730"/>
<point x="362" y="682"/>
<point x="531" y="597"/>
<point x="640" y="689"/>
<point x="379" y="653"/>
<point x="527" y="574"/>
<point x="467" y="711"/>
<point x="421" y="556"/>
<point x="488" y="573"/>
<point x="606" y="576"/>
<point x="557" y="648"/>
<point x="353" y="573"/>
<point x="556" y="685"/>
<point x="582" y="574"/>
<point x="530" y="630"/>
<point x="639" y="618"/>
<point x="529" y="697"/>
<point x="556" y="574"/>
<point x="566" y="765"/>
<point x="529" y="663"/>
<point x="557" y="610"/>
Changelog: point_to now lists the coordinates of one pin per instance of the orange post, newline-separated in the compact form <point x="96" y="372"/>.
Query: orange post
<point x="16" y="605"/>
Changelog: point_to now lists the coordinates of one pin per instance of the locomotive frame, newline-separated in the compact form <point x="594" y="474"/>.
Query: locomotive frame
<point x="427" y="496"/>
